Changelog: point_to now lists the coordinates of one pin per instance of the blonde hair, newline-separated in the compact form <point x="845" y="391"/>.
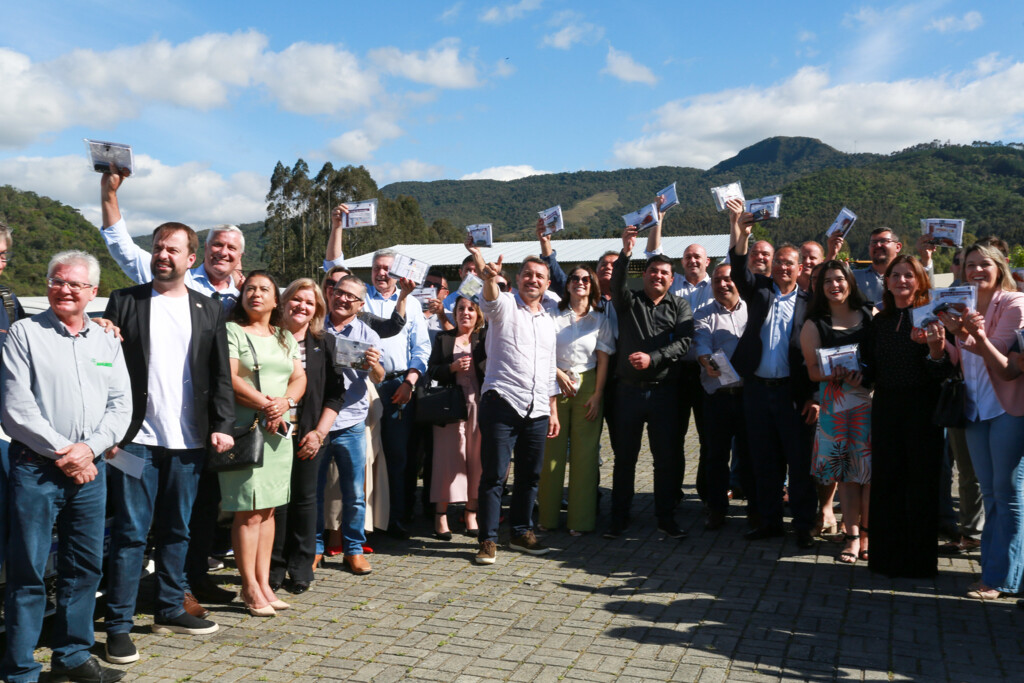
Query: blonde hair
<point x="316" y="322"/>
<point x="1005" y="279"/>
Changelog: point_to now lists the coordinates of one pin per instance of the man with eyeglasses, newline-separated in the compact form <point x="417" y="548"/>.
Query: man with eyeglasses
<point x="66" y="399"/>
<point x="384" y="327"/>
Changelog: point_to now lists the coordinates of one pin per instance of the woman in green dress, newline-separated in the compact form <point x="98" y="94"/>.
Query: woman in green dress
<point x="252" y="494"/>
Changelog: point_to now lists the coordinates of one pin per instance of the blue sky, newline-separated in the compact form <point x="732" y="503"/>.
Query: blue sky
<point x="212" y="95"/>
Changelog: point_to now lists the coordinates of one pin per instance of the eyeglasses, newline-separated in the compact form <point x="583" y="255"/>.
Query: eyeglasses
<point x="436" y="285"/>
<point x="75" y="287"/>
<point x="503" y="286"/>
<point x="881" y="242"/>
<point x="345" y="296"/>
<point x="331" y="284"/>
<point x="582" y="279"/>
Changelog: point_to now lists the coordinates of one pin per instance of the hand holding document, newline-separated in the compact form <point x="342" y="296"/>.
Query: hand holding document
<point x="349" y="353"/>
<point x="644" y="219"/>
<point x="483" y="234"/>
<point x="471" y="287"/>
<point x="424" y="295"/>
<point x="360" y="214"/>
<point x="552" y="220"/>
<point x="727" y="373"/>
<point x="839" y="357"/>
<point x="408" y="267"/>
<point x="842" y="224"/>
<point x="946" y="232"/>
<point x="765" y="207"/>
<point x="952" y="300"/>
<point x="669" y="198"/>
<point x="724" y="193"/>
<point x="105" y="155"/>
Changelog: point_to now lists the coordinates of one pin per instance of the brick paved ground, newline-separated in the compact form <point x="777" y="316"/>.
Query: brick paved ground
<point x="712" y="607"/>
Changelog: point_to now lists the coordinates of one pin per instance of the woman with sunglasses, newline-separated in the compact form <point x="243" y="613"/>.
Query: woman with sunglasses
<point x="585" y="340"/>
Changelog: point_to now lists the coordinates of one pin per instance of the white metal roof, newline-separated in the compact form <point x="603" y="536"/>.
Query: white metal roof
<point x="568" y="251"/>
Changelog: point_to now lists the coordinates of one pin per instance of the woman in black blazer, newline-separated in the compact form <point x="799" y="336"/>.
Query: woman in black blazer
<point x="303" y="310"/>
<point x="458" y="358"/>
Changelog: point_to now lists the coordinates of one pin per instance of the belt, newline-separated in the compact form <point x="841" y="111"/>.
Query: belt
<point x="772" y="381"/>
<point x="641" y="385"/>
<point x="730" y="390"/>
<point x="393" y="375"/>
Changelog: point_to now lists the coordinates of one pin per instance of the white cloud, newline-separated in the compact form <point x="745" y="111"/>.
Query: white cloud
<point x="452" y="13"/>
<point x="882" y="37"/>
<point x="409" y="169"/>
<point x="357" y="146"/>
<point x="622" y="66"/>
<point x="501" y="14"/>
<point x="310" y="78"/>
<point x="503" y="68"/>
<point x="571" y="29"/>
<point x="156" y="193"/>
<point x="806" y="36"/>
<point x="968" y="22"/>
<point x="504" y="173"/>
<point x="878" y="116"/>
<point x="439" y="66"/>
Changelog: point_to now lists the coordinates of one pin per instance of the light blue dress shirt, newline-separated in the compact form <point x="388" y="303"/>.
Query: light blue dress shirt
<point x="775" y="334"/>
<point x="410" y="348"/>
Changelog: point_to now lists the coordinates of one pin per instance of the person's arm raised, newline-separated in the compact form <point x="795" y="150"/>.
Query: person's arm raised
<point x="334" y="254"/>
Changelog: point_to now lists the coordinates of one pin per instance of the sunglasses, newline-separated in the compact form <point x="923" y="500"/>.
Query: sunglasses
<point x="503" y="286"/>
<point x="582" y="279"/>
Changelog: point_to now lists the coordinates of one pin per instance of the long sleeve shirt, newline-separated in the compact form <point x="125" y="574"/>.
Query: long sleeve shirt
<point x="410" y="348"/>
<point x="59" y="389"/>
<point x="663" y="330"/>
<point x="716" y="328"/>
<point x="136" y="264"/>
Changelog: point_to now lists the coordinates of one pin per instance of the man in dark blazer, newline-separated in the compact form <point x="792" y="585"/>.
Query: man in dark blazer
<point x="176" y="350"/>
<point x="777" y="391"/>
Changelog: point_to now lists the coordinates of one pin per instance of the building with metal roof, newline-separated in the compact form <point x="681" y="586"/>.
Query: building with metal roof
<point x="568" y="251"/>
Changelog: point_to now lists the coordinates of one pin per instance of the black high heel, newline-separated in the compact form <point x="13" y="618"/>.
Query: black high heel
<point x="471" y="532"/>
<point x="444" y="536"/>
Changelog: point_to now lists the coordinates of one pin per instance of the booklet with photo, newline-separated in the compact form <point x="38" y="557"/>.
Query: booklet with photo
<point x="670" y="198"/>
<point x="424" y="295"/>
<point x="552" y="220"/>
<point x="954" y="300"/>
<point x="103" y="154"/>
<point x="839" y="357"/>
<point x="471" y="287"/>
<point x="644" y="219"/>
<point x="483" y="234"/>
<point x="360" y="214"/>
<point x="349" y="353"/>
<point x="945" y="232"/>
<point x="842" y="224"/>
<point x="724" y="193"/>
<point x="765" y="207"/>
<point x="408" y="267"/>
<point x="720" y="362"/>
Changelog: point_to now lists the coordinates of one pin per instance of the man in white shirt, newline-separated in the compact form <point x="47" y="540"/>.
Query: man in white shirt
<point x="517" y="400"/>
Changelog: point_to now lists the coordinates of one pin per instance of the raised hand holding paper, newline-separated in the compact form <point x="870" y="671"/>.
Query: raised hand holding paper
<point x="724" y="193"/>
<point x="471" y="287"/>
<point x="644" y="219"/>
<point x="105" y="154"/>
<point x="953" y="300"/>
<point x="424" y="295"/>
<point x="408" y="267"/>
<point x="670" y="198"/>
<point x="552" y="220"/>
<point x="360" y="214"/>
<point x="946" y="232"/>
<point x="765" y="207"/>
<point x="482" y="233"/>
<point x="842" y="224"/>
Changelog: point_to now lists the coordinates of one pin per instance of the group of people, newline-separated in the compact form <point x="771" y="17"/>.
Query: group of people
<point x="123" y="413"/>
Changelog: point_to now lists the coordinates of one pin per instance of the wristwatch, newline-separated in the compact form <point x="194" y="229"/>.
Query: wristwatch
<point x="291" y="401"/>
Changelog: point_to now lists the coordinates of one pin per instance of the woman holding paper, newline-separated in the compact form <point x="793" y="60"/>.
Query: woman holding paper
<point x="585" y="339"/>
<point x="839" y="316"/>
<point x="906" y="366"/>
<point x="457" y="358"/>
<point x="995" y="415"/>
<point x="267" y="376"/>
<point x="303" y="310"/>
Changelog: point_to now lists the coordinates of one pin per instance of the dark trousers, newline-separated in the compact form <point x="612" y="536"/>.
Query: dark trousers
<point x="691" y="401"/>
<point x="295" y="523"/>
<point x="503" y="432"/>
<point x="658" y="406"/>
<point x="397" y="426"/>
<point x="725" y="427"/>
<point x="776" y="438"/>
<point x="202" y="527"/>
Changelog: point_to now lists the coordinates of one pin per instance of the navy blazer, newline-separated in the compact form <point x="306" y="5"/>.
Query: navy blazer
<point x="757" y="292"/>
<point x="212" y="395"/>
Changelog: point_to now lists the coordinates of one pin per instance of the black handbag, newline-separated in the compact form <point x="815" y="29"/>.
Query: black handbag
<point x="951" y="407"/>
<point x="247" y="452"/>
<point x="440" y="405"/>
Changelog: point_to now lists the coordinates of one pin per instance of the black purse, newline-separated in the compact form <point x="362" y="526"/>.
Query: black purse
<point x="951" y="407"/>
<point x="247" y="452"/>
<point x="440" y="405"/>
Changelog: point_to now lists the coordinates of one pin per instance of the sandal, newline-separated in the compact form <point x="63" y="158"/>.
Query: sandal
<point x="863" y="554"/>
<point x="846" y="556"/>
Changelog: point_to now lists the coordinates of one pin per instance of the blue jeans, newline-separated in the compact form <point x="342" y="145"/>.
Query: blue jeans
<point x="502" y="432"/>
<point x="39" y="496"/>
<point x="169" y="482"/>
<point x="396" y="431"/>
<point x="996" y="452"/>
<point x="347" y="448"/>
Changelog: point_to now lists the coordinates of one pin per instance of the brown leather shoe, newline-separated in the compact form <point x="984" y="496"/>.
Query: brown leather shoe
<point x="193" y="607"/>
<point x="357" y="564"/>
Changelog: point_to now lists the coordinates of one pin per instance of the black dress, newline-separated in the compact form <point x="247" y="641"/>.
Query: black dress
<point x="906" y="449"/>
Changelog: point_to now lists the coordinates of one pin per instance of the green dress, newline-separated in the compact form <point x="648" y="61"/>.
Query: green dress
<point x="264" y="487"/>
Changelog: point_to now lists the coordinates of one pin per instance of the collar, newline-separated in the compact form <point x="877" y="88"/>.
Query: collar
<point x="780" y="295"/>
<point x="201" y="274"/>
<point x="374" y="294"/>
<point x="59" y="325"/>
<point x="723" y="309"/>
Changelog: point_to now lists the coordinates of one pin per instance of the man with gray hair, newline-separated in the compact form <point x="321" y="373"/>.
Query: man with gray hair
<point x="66" y="399"/>
<point x="216" y="276"/>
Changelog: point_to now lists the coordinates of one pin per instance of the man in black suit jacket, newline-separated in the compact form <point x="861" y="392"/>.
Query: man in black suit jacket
<point x="777" y="391"/>
<point x="176" y="350"/>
